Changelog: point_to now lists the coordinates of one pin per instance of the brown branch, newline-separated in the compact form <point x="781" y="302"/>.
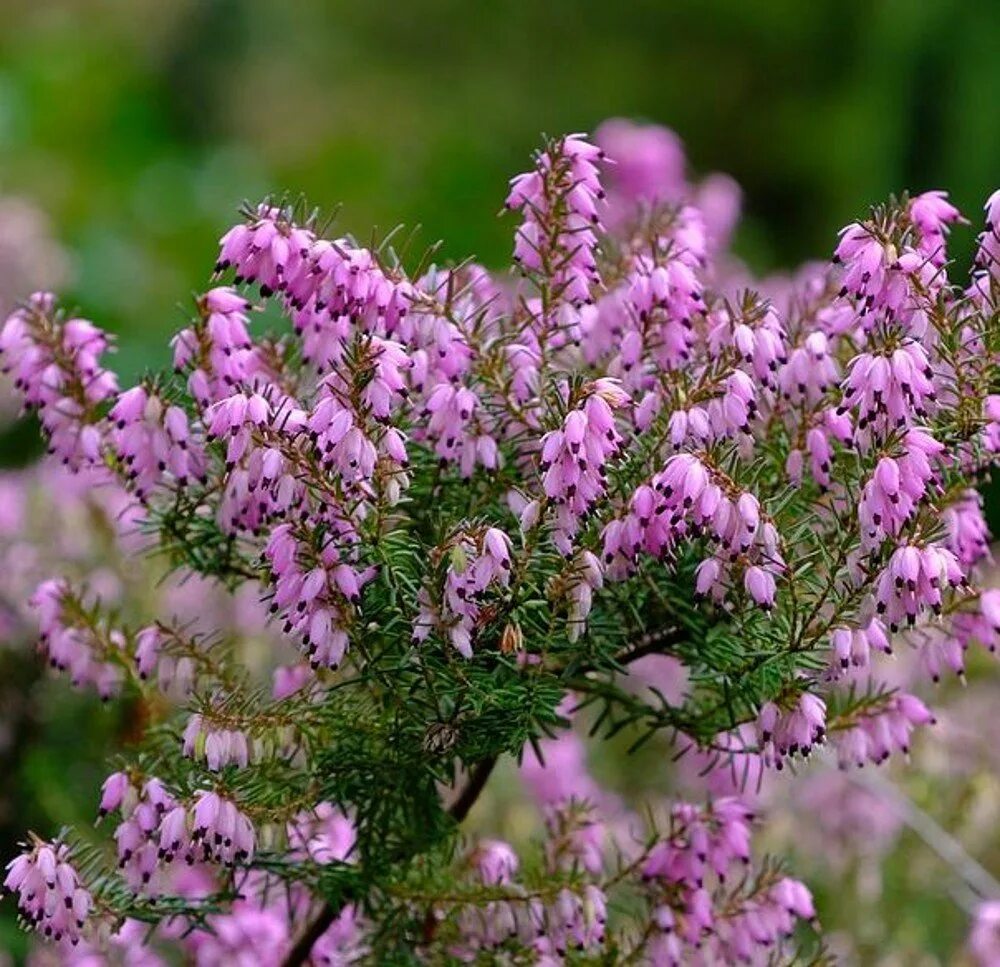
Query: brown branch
<point x="299" y="954"/>
<point x="478" y="778"/>
<point x="459" y="809"/>
<point x="653" y="643"/>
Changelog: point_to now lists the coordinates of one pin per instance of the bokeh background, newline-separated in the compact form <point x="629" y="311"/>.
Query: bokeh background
<point x="139" y="126"/>
<point x="135" y="129"/>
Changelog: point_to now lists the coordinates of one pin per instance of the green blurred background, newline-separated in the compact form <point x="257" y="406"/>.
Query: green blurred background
<point x="139" y="126"/>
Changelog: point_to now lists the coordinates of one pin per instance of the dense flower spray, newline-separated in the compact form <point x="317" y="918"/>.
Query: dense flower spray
<point x="471" y="503"/>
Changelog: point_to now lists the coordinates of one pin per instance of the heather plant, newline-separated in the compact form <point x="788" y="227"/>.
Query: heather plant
<point x="620" y="485"/>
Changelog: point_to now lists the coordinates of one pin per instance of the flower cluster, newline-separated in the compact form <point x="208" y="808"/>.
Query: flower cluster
<point x="156" y="827"/>
<point x="219" y="746"/>
<point x="680" y="876"/>
<point x="897" y="487"/>
<point x="216" y="351"/>
<point x="710" y="842"/>
<point x="793" y="730"/>
<point x="153" y="439"/>
<point x="887" y="391"/>
<point x="691" y="497"/>
<point x="874" y="737"/>
<point x="76" y="641"/>
<point x="315" y="590"/>
<point x="477" y="563"/>
<point x="56" y="364"/>
<point x="560" y="201"/>
<point x="915" y="580"/>
<point x="573" y="457"/>
<point x="50" y="895"/>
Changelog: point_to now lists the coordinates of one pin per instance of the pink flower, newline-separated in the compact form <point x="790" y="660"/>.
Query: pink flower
<point x="988" y="255"/>
<point x="915" y="579"/>
<point x="647" y="161"/>
<point x="155" y="443"/>
<point x="325" y="834"/>
<point x="852" y="646"/>
<point x="880" y="731"/>
<point x="868" y="269"/>
<point x="496" y="862"/>
<point x="933" y="215"/>
<point x="51" y="896"/>
<point x="560" y="200"/>
<point x="794" y="730"/>
<point x="218" y="746"/>
<point x="810" y="372"/>
<point x="573" y="458"/>
<point x="73" y="643"/>
<point x="968" y="536"/>
<point x="889" y="391"/>
<point x="219" y="831"/>
<point x="689" y="498"/>
<point x="897" y="486"/>
<point x="268" y="249"/>
<point x="315" y="590"/>
<point x="760" y="586"/>
<point x="56" y="367"/>
<point x="217" y="351"/>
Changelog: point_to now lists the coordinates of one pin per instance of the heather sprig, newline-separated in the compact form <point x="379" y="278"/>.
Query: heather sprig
<point x="472" y="504"/>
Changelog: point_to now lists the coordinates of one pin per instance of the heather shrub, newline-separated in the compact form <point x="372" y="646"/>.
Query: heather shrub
<point x="622" y="484"/>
